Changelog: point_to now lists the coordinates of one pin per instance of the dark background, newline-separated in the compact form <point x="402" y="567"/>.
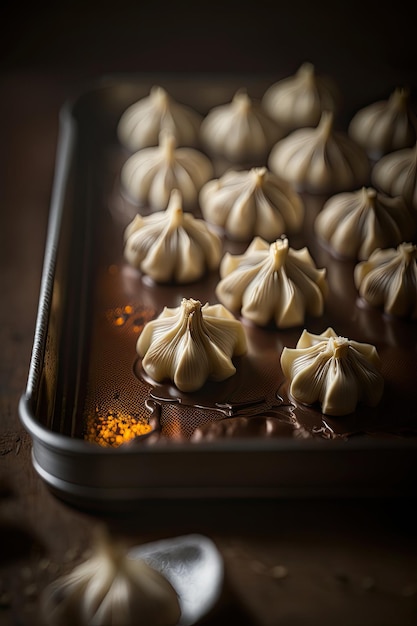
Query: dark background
<point x="358" y="42"/>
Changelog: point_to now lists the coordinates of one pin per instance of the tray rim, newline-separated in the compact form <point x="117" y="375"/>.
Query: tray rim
<point x="83" y="447"/>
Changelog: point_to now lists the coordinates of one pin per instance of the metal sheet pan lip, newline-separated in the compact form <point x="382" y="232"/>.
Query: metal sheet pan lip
<point x="110" y="497"/>
<point x="107" y="498"/>
<point x="63" y="158"/>
<point x="64" y="444"/>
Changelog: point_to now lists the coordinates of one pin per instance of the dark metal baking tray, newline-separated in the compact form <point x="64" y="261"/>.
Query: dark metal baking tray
<point x="84" y="361"/>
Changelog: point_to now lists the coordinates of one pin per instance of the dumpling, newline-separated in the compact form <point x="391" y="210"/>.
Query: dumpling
<point x="272" y="283"/>
<point x="190" y="344"/>
<point x="320" y="159"/>
<point x="251" y="203"/>
<point x="334" y="371"/>
<point x="172" y="246"/>
<point x="240" y="130"/>
<point x="388" y="280"/>
<point x="386" y="125"/>
<point x="396" y="175"/>
<point x="149" y="175"/>
<point x="299" y="100"/>
<point x="110" y="584"/>
<point x="355" y="223"/>
<point x="143" y="121"/>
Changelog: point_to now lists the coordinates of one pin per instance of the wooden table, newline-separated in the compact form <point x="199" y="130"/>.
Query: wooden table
<point x="297" y="562"/>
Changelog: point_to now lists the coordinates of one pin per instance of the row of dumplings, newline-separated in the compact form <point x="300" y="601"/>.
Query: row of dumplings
<point x="292" y="129"/>
<point x="263" y="202"/>
<point x="192" y="343"/>
<point x="292" y="138"/>
<point x="174" y="246"/>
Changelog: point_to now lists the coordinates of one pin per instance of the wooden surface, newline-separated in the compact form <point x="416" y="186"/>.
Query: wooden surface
<point x="349" y="562"/>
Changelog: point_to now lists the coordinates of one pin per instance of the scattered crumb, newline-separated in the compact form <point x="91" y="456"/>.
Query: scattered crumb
<point x="18" y="446"/>
<point x="279" y="572"/>
<point x="258" y="567"/>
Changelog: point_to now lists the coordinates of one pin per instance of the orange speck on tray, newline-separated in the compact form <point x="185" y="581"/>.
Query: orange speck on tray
<point x="114" y="428"/>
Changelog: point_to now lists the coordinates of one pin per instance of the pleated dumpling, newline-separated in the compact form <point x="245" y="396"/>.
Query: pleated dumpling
<point x="251" y="203"/>
<point x="109" y="587"/>
<point x="299" y="100"/>
<point x="396" y="174"/>
<point x="388" y="280"/>
<point x="143" y="121"/>
<point x="149" y="175"/>
<point x="171" y="245"/>
<point x="272" y="283"/>
<point x="320" y="159"/>
<point x="240" y="130"/>
<point x="355" y="223"/>
<point x="190" y="344"/>
<point x="385" y="125"/>
<point x="333" y="371"/>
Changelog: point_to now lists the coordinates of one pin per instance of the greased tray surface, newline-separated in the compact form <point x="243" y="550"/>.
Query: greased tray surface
<point x="236" y="438"/>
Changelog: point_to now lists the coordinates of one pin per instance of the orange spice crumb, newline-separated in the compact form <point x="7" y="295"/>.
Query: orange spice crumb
<point x="114" y="428"/>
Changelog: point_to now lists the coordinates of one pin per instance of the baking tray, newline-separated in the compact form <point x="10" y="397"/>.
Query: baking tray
<point x="84" y="365"/>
